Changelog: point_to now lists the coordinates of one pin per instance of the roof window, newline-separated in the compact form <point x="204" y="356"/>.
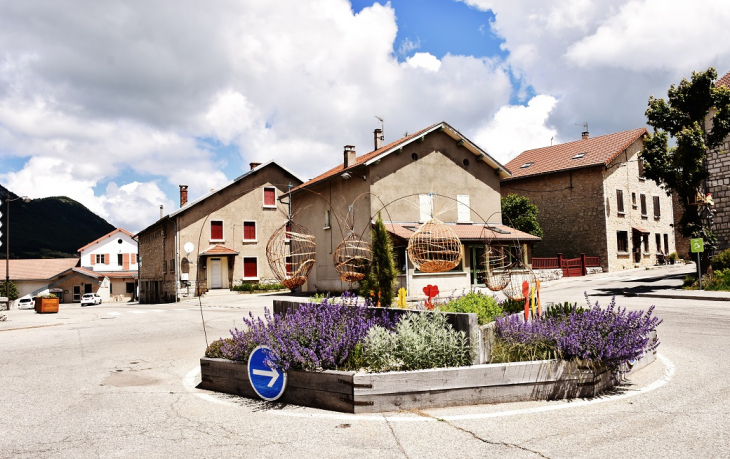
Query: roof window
<point x="579" y="156"/>
<point x="526" y="165"/>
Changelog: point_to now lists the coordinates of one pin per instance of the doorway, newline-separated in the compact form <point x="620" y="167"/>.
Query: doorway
<point x="216" y="279"/>
<point x="477" y="265"/>
<point x="77" y="293"/>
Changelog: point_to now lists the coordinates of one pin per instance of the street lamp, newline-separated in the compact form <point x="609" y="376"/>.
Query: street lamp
<point x="7" y="243"/>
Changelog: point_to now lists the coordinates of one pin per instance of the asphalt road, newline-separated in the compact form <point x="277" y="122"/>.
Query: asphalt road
<point x="119" y="380"/>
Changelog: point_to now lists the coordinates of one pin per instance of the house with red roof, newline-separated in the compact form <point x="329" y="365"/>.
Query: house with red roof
<point x="593" y="199"/>
<point x="113" y="256"/>
<point x="434" y="172"/>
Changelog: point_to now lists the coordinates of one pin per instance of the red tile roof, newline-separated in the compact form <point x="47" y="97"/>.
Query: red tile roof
<point x="118" y="274"/>
<point x="37" y="269"/>
<point x="118" y="230"/>
<point x="218" y="250"/>
<point x="599" y="150"/>
<point x="474" y="232"/>
<point x="724" y="80"/>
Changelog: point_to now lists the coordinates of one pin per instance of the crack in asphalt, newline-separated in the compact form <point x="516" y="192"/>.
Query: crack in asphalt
<point x="395" y="437"/>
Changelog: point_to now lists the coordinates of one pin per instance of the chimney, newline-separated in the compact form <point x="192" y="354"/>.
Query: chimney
<point x="350" y="155"/>
<point x="254" y="165"/>
<point x="378" y="134"/>
<point x="584" y="135"/>
<point x="161" y="211"/>
<point x="183" y="195"/>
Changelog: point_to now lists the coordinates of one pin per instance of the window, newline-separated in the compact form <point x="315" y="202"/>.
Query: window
<point x="526" y="165"/>
<point x="172" y="266"/>
<point x="425" y="202"/>
<point x="620" y="201"/>
<point x="164" y="266"/>
<point x="101" y="259"/>
<point x="645" y="240"/>
<point x="288" y="262"/>
<point x="633" y="200"/>
<point x="642" y="198"/>
<point x="216" y="230"/>
<point x="622" y="238"/>
<point x="327" y="219"/>
<point x="658" y="242"/>
<point x="666" y="243"/>
<point x="130" y="287"/>
<point x="401" y="258"/>
<point x="578" y="156"/>
<point x="463" y="211"/>
<point x="641" y="168"/>
<point x="269" y="196"/>
<point x="287" y="232"/>
<point x="120" y="259"/>
<point x="250" y="268"/>
<point x="249" y="231"/>
<point x="657" y="209"/>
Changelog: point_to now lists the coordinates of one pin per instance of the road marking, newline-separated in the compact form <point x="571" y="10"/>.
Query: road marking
<point x="138" y="312"/>
<point x="114" y="313"/>
<point x="158" y="310"/>
<point x="669" y="369"/>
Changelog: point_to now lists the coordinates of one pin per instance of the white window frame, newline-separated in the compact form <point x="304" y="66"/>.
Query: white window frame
<point x="425" y="207"/>
<point x="243" y="267"/>
<point x="263" y="197"/>
<point x="255" y="228"/>
<point x="463" y="208"/>
<point x="327" y="219"/>
<point x="223" y="230"/>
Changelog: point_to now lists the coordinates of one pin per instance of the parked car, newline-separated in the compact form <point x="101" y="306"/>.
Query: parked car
<point x="26" y="303"/>
<point x="90" y="298"/>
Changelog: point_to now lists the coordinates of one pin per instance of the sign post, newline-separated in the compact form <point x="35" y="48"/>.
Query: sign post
<point x="268" y="383"/>
<point x="697" y="246"/>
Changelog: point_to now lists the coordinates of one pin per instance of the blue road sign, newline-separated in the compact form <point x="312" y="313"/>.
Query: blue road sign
<point x="269" y="383"/>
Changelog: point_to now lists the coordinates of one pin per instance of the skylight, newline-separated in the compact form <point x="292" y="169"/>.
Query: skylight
<point x="526" y="165"/>
<point x="579" y="156"/>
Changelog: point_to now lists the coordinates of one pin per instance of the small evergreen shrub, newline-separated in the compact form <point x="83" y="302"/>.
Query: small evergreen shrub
<point x="214" y="350"/>
<point x="252" y="287"/>
<point x="484" y="306"/>
<point x="673" y="257"/>
<point x="559" y="311"/>
<point x="512" y="306"/>
<point x="721" y="261"/>
<point x="720" y="281"/>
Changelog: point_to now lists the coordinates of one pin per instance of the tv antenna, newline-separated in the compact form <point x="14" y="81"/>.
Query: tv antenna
<point x="585" y="126"/>
<point x="382" y="123"/>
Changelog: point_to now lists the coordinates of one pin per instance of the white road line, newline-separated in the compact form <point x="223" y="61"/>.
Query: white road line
<point x="158" y="310"/>
<point x="114" y="313"/>
<point x="189" y="383"/>
<point x="138" y="312"/>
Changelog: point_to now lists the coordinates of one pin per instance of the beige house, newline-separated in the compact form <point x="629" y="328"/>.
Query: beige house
<point x="593" y="199"/>
<point x="216" y="241"/>
<point x="433" y="172"/>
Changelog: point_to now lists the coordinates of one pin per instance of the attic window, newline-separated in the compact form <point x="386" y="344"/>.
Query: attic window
<point x="526" y="165"/>
<point x="579" y="156"/>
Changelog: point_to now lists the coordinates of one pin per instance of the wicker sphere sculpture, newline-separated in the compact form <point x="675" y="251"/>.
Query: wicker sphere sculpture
<point x="352" y="258"/>
<point x="518" y="275"/>
<point x="291" y="253"/>
<point x="434" y="247"/>
<point x="496" y="268"/>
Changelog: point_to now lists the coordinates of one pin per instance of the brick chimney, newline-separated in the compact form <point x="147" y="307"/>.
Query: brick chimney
<point x="584" y="135"/>
<point x="378" y="137"/>
<point x="254" y="165"/>
<point x="350" y="155"/>
<point x="183" y="195"/>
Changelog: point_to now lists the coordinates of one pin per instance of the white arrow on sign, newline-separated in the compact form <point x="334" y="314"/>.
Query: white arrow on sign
<point x="273" y="374"/>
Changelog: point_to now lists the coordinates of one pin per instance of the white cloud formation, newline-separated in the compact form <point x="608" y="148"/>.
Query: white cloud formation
<point x="425" y="61"/>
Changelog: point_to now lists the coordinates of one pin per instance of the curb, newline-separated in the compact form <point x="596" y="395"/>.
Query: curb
<point x="683" y="297"/>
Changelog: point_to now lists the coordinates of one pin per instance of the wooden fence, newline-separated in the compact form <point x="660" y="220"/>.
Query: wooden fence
<point x="570" y="266"/>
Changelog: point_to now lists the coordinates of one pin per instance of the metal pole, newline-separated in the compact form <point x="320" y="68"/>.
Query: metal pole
<point x="7" y="250"/>
<point x="699" y="270"/>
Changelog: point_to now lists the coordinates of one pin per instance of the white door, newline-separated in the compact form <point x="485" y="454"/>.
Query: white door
<point x="216" y="280"/>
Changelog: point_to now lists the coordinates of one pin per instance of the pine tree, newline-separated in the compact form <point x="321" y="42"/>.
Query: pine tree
<point x="379" y="284"/>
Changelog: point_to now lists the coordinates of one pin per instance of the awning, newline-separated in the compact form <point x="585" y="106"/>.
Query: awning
<point x="636" y="229"/>
<point x="217" y="250"/>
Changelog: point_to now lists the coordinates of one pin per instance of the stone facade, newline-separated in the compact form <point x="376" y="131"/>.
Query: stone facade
<point x="718" y="165"/>
<point x="579" y="212"/>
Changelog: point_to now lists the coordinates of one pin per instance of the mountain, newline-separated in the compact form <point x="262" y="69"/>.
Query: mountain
<point x="49" y="227"/>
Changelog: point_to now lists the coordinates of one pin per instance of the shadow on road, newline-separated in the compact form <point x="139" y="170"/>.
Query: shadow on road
<point x="646" y="285"/>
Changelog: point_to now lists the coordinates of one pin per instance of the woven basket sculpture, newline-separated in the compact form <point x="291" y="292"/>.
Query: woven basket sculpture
<point x="291" y="253"/>
<point x="352" y="258"/>
<point x="434" y="247"/>
<point x="497" y="267"/>
<point x="519" y="274"/>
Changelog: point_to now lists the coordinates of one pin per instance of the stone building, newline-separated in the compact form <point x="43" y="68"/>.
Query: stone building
<point x="216" y="241"/>
<point x="433" y="172"/>
<point x="718" y="165"/>
<point x="593" y="199"/>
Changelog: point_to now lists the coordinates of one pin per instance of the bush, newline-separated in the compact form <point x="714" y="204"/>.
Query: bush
<point x="562" y="311"/>
<point x="720" y="281"/>
<point x="484" y="306"/>
<point x="721" y="261"/>
<point x="214" y="350"/>
<point x="512" y="306"/>
<point x="12" y="292"/>
<point x="251" y="287"/>
<point x="673" y="257"/>
<point x="607" y="337"/>
<point x="419" y="341"/>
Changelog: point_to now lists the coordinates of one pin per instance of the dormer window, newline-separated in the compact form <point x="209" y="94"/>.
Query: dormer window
<point x="578" y="156"/>
<point x="526" y="165"/>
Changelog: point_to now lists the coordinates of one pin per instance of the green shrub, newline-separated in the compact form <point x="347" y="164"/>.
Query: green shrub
<point x="253" y="287"/>
<point x="504" y="351"/>
<point x="214" y="350"/>
<point x="47" y="295"/>
<point x="419" y="341"/>
<point x="721" y="261"/>
<point x="12" y="291"/>
<point x="562" y="310"/>
<point x="484" y="306"/>
<point x="673" y="257"/>
<point x="513" y="306"/>
<point x="720" y="281"/>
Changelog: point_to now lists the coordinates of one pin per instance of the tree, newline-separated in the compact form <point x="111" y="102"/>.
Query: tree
<point x="521" y="214"/>
<point x="681" y="168"/>
<point x="379" y="283"/>
<point x="12" y="292"/>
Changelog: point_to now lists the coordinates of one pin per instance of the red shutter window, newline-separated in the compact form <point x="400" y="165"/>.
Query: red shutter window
<point x="92" y="258"/>
<point x="249" y="231"/>
<point x="216" y="230"/>
<point x="270" y="197"/>
<point x="287" y="234"/>
<point x="107" y="259"/>
<point x="288" y="265"/>
<point x="125" y="262"/>
<point x="134" y="258"/>
<point x="250" y="268"/>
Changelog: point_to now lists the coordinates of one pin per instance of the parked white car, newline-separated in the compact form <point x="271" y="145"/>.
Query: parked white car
<point x="26" y="302"/>
<point x="90" y="298"/>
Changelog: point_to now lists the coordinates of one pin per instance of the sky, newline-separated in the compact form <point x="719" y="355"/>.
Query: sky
<point x="116" y="103"/>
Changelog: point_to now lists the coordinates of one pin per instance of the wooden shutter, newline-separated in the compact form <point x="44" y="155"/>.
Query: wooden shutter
<point x="463" y="209"/>
<point x="657" y="210"/>
<point x="288" y="265"/>
<point x="425" y="206"/>
<point x="250" y="270"/>
<point x="620" y="201"/>
<point x="216" y="230"/>
<point x="93" y="259"/>
<point x="107" y="259"/>
<point x="125" y="261"/>
<point x="270" y="197"/>
<point x="134" y="258"/>
<point x="249" y="231"/>
<point x="643" y="204"/>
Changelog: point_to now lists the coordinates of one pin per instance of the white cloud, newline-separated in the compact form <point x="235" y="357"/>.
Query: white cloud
<point x="425" y="61"/>
<point x="408" y="45"/>
<point x="516" y="128"/>
<point x="135" y="205"/>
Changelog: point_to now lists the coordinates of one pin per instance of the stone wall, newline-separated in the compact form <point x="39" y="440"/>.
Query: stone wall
<point x="718" y="164"/>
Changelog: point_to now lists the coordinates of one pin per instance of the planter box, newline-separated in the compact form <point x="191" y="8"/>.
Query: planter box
<point x="46" y="305"/>
<point x="354" y="392"/>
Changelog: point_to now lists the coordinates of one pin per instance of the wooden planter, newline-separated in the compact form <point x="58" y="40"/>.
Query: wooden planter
<point x="46" y="305"/>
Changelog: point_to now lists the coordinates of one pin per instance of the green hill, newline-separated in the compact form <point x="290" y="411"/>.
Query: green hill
<point x="53" y="227"/>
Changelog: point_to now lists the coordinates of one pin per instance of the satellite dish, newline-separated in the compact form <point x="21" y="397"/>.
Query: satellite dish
<point x="188" y="247"/>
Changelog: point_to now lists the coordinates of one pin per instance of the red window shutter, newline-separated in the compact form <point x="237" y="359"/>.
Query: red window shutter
<point x="269" y="196"/>
<point x="249" y="268"/>
<point x="125" y="262"/>
<point x="288" y="266"/>
<point x="288" y="231"/>
<point x="92" y="256"/>
<point x="216" y="230"/>
<point x="107" y="257"/>
<point x="134" y="258"/>
<point x="249" y="231"/>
